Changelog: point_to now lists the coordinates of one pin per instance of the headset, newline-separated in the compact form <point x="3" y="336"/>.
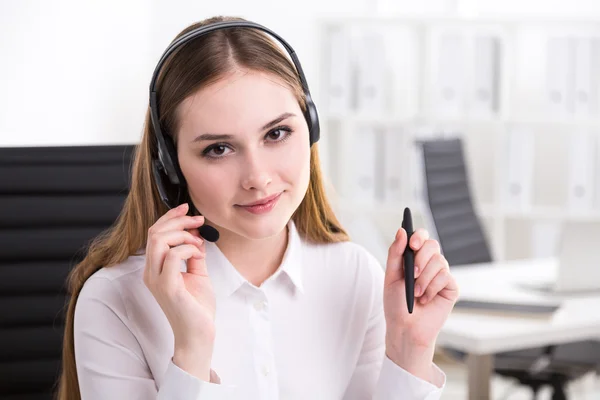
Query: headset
<point x="167" y="173"/>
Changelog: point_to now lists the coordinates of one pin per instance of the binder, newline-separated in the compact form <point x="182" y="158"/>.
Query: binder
<point x="403" y="82"/>
<point x="595" y="92"/>
<point x="584" y="77"/>
<point x="518" y="183"/>
<point x="559" y="76"/>
<point x="484" y="93"/>
<point x="449" y="96"/>
<point x="596" y="174"/>
<point x="364" y="165"/>
<point x="339" y="74"/>
<point x="581" y="172"/>
<point x="371" y="62"/>
<point x="395" y="165"/>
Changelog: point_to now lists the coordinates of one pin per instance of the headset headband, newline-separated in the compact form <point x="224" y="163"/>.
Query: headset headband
<point x="222" y="25"/>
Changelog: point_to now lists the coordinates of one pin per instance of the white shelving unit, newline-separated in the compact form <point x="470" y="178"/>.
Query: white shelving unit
<point x="484" y="80"/>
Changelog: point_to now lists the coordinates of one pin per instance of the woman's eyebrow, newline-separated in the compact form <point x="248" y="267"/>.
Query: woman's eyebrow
<point x="278" y="120"/>
<point x="214" y="136"/>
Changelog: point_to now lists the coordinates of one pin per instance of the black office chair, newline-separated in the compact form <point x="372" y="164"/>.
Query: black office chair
<point x="463" y="241"/>
<point x="53" y="201"/>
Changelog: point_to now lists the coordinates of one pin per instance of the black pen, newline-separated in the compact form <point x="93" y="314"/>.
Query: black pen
<point x="409" y="261"/>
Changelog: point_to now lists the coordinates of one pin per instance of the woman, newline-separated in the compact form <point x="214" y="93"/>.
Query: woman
<point x="282" y="306"/>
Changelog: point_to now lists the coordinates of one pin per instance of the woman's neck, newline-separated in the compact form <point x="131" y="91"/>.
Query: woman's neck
<point x="255" y="260"/>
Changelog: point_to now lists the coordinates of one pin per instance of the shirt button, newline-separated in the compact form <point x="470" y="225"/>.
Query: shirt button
<point x="266" y="370"/>
<point x="259" y="305"/>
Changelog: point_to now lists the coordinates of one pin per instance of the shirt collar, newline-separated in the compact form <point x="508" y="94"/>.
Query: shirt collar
<point x="291" y="264"/>
<point x="226" y="280"/>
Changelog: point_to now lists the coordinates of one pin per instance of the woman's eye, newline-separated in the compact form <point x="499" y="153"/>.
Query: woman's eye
<point x="279" y="133"/>
<point x="216" y="151"/>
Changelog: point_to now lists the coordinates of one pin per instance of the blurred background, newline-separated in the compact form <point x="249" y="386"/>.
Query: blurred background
<point x="490" y="71"/>
<point x="484" y="111"/>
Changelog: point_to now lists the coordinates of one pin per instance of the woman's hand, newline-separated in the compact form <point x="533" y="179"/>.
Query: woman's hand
<point x="186" y="298"/>
<point x="410" y="338"/>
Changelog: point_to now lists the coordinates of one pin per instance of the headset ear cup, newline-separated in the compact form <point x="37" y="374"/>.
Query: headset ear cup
<point x="170" y="163"/>
<point x="167" y="174"/>
<point x="312" y="118"/>
<point x="167" y="192"/>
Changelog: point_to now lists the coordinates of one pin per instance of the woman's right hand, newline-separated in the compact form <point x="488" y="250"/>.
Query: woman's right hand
<point x="186" y="298"/>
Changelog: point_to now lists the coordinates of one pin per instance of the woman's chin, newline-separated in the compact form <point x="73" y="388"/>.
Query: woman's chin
<point x="262" y="228"/>
<point x="263" y="225"/>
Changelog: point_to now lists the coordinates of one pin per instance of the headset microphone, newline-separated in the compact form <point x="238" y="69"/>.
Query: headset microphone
<point x="209" y="233"/>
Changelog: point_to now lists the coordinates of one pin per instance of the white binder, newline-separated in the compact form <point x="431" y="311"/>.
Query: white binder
<point x="370" y="59"/>
<point x="596" y="174"/>
<point x="339" y="87"/>
<point x="559" y="76"/>
<point x="584" y="77"/>
<point x="484" y="96"/>
<point x="595" y="92"/>
<point x="396" y="163"/>
<point x="581" y="172"/>
<point x="449" y="96"/>
<point x="364" y="165"/>
<point x="518" y="183"/>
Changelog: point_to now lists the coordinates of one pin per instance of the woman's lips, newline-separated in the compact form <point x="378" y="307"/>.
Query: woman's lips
<point x="262" y="208"/>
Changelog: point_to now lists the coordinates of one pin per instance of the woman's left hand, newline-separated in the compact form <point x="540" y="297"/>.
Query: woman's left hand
<point x="408" y="336"/>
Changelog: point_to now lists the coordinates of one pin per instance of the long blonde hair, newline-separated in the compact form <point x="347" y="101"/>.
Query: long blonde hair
<point x="190" y="68"/>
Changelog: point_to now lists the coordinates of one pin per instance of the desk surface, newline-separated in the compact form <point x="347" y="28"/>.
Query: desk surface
<point x="578" y="317"/>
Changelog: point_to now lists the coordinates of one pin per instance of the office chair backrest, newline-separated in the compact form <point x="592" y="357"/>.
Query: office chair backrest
<point x="53" y="201"/>
<point x="459" y="230"/>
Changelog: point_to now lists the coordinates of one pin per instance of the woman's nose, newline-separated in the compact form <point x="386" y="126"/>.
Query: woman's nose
<point x="256" y="173"/>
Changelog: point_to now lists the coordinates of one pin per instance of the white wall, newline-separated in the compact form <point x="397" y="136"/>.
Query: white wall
<point x="519" y="8"/>
<point x="70" y="73"/>
<point x="77" y="72"/>
<point x="589" y="9"/>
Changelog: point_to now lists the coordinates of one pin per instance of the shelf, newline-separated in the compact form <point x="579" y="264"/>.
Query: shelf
<point x="357" y="118"/>
<point x="530" y="124"/>
<point x="549" y="213"/>
<point x="388" y="208"/>
<point x="483" y="210"/>
<point x="420" y="19"/>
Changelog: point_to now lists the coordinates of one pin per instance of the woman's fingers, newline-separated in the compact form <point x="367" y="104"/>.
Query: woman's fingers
<point x="182" y="209"/>
<point x="438" y="283"/>
<point x="159" y="244"/>
<point x="394" y="265"/>
<point x="178" y="223"/>
<point x="436" y="263"/>
<point x="422" y="257"/>
<point x="171" y="270"/>
<point x="418" y="238"/>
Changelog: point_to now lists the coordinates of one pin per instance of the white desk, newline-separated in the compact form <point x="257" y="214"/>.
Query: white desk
<point x="481" y="335"/>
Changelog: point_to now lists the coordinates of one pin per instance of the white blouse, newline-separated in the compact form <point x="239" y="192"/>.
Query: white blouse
<point x="315" y="329"/>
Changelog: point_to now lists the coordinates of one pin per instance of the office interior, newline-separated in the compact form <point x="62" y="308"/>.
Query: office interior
<point x="482" y="116"/>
